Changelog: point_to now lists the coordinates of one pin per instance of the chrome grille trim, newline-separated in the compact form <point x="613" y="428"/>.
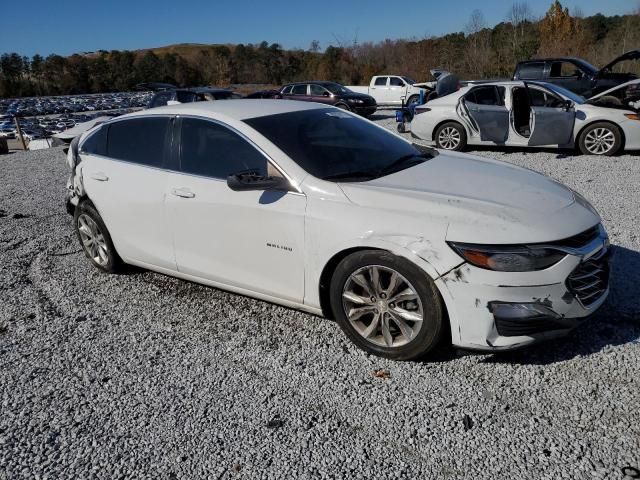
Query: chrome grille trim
<point x="589" y="281"/>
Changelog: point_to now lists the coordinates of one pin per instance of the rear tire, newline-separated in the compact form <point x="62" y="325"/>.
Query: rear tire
<point x="386" y="305"/>
<point x="601" y="138"/>
<point x="95" y="239"/>
<point x="451" y="136"/>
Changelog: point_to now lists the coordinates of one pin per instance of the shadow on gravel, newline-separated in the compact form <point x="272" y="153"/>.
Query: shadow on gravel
<point x="560" y="153"/>
<point x="616" y="323"/>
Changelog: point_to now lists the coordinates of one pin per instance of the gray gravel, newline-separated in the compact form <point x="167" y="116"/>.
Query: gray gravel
<point x="143" y="376"/>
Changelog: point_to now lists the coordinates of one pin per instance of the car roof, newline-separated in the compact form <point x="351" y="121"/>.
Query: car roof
<point x="232" y="109"/>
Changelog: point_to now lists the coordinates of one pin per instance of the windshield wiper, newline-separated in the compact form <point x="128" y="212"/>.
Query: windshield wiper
<point x="354" y="176"/>
<point x="397" y="164"/>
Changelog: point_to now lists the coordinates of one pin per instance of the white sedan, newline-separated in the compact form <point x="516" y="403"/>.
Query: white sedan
<point x="315" y="208"/>
<point x="532" y="114"/>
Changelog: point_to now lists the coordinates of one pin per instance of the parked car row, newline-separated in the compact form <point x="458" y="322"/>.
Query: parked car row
<point x="66" y="104"/>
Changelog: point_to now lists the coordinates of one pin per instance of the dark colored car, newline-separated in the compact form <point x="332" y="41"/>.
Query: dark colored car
<point x="330" y="93"/>
<point x="265" y="94"/>
<point x="188" y="95"/>
<point x="576" y="74"/>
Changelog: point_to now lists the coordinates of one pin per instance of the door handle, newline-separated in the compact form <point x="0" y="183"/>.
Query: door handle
<point x="99" y="176"/>
<point x="183" y="193"/>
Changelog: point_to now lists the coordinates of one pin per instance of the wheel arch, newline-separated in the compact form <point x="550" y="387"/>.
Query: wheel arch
<point x="623" y="138"/>
<point x="442" y="122"/>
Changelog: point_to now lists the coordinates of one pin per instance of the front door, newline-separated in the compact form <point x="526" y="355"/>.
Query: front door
<point x="485" y="105"/>
<point x="252" y="240"/>
<point x="552" y="119"/>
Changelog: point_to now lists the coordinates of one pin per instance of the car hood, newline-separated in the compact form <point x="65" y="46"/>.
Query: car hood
<point x="480" y="200"/>
<point x="631" y="55"/>
<point x="618" y="87"/>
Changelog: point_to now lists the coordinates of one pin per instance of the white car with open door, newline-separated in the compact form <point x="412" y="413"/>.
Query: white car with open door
<point x="313" y="207"/>
<point x="532" y="114"/>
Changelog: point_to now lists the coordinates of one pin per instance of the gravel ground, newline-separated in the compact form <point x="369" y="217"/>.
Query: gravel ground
<point x="143" y="376"/>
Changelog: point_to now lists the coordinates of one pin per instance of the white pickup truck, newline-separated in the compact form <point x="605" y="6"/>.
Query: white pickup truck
<point x="393" y="89"/>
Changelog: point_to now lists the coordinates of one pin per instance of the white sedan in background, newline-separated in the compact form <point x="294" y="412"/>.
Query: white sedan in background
<point x="532" y="114"/>
<point x="315" y="208"/>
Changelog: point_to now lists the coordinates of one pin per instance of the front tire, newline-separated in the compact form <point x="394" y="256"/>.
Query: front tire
<point x="601" y="138"/>
<point x="413" y="100"/>
<point x="386" y="305"/>
<point x="343" y="106"/>
<point x="95" y="239"/>
<point x="451" y="136"/>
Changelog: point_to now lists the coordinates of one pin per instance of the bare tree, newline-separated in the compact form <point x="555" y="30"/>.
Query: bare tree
<point x="518" y="16"/>
<point x="478" y="53"/>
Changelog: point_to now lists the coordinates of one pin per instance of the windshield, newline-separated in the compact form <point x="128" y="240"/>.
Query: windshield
<point x="410" y="81"/>
<point x="574" y="97"/>
<point x="338" y="146"/>
<point x="335" y="88"/>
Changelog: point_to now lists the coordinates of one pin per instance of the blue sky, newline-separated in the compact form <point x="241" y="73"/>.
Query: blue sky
<point x="70" y="26"/>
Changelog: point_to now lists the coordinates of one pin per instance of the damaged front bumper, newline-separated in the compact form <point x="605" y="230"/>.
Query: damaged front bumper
<point x="492" y="310"/>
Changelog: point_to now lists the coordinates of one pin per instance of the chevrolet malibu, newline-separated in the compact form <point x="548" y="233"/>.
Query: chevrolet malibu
<point x="315" y="208"/>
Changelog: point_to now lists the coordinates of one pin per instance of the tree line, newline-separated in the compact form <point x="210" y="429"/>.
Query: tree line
<point x="477" y="52"/>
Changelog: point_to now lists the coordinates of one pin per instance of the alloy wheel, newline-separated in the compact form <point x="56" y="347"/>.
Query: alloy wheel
<point x="449" y="138"/>
<point x="93" y="240"/>
<point x="382" y="306"/>
<point x="600" y="141"/>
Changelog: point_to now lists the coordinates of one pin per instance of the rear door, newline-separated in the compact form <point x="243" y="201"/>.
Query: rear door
<point x="551" y="121"/>
<point x="319" y="94"/>
<point x="380" y="90"/>
<point x="485" y="105"/>
<point x="125" y="178"/>
<point x="300" y="92"/>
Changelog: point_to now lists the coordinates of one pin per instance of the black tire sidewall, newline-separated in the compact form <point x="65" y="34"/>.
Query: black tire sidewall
<point x="616" y="132"/>
<point x="88" y="209"/>
<point x="433" y="323"/>
<point x="463" y="136"/>
<point x="343" y="106"/>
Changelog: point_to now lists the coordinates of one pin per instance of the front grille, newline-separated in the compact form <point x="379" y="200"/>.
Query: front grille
<point x="590" y="280"/>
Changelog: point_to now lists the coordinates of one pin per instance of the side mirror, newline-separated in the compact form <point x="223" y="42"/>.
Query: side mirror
<point x="568" y="105"/>
<point x="326" y="94"/>
<point x="251" y="180"/>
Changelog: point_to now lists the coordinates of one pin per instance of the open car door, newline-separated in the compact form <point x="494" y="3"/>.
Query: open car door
<point x="485" y="105"/>
<point x="552" y="119"/>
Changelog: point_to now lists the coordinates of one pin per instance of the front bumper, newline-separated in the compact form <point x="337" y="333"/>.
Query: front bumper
<point x="504" y="310"/>
<point x="364" y="110"/>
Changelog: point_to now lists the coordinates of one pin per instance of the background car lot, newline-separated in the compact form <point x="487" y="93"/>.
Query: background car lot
<point x="149" y="376"/>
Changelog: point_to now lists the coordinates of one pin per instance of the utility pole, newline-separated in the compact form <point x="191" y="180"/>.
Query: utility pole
<point x="19" y="131"/>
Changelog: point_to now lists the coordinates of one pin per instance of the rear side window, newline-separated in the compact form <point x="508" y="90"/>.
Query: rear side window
<point x="138" y="140"/>
<point x="212" y="150"/>
<point x="96" y="144"/>
<point x="486" y="95"/>
<point x="381" y="82"/>
<point x="531" y="71"/>
<point x="299" y="89"/>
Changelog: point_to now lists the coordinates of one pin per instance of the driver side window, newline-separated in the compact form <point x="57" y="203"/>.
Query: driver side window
<point x="209" y="149"/>
<point x="564" y="70"/>
<point x="316" y="90"/>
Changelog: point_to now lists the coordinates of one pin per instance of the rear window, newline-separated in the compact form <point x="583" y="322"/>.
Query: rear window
<point x="96" y="144"/>
<point x="531" y="71"/>
<point x="138" y="140"/>
<point x="299" y="90"/>
<point x="161" y="99"/>
<point x="486" y="95"/>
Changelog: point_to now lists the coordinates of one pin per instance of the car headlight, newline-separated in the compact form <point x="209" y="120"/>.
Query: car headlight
<point x="508" y="258"/>
<point x="355" y="100"/>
